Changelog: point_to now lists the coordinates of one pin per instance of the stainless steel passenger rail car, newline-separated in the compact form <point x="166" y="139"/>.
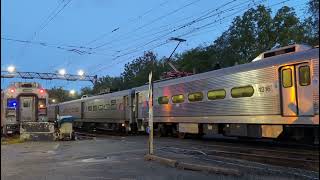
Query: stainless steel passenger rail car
<point x="275" y="95"/>
<point x="22" y="102"/>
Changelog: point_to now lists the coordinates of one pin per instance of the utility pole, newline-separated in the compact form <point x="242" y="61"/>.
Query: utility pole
<point x="150" y="114"/>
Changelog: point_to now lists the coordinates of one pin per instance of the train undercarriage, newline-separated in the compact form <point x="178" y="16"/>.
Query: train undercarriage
<point x="299" y="133"/>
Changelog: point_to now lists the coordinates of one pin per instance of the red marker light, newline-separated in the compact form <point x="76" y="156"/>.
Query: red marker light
<point x="12" y="90"/>
<point x="41" y="91"/>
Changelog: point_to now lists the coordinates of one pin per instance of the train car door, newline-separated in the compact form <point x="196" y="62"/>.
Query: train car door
<point x="27" y="108"/>
<point x="82" y="110"/>
<point x="304" y="90"/>
<point x="132" y="106"/>
<point x="296" y="92"/>
<point x="56" y="111"/>
<point x="126" y="107"/>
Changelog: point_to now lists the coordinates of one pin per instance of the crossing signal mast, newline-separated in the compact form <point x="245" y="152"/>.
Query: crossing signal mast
<point x="175" y="73"/>
<point x="60" y="75"/>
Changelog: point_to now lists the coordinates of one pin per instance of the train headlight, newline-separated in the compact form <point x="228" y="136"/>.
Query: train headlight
<point x="122" y="125"/>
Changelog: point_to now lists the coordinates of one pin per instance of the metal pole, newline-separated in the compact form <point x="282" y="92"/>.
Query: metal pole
<point x="150" y="114"/>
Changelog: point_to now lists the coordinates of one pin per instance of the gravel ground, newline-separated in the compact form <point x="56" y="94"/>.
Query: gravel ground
<point x="120" y="158"/>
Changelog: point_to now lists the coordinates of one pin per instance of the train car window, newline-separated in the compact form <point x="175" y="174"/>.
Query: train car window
<point x="304" y="76"/>
<point x="245" y="91"/>
<point x="100" y="107"/>
<point x="178" y="98"/>
<point x="26" y="104"/>
<point x="94" y="108"/>
<point x="89" y="108"/>
<point x="286" y="78"/>
<point x="42" y="103"/>
<point x="216" y="94"/>
<point x="197" y="96"/>
<point x="163" y="100"/>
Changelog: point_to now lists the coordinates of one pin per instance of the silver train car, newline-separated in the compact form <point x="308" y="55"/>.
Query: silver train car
<point x="22" y="102"/>
<point x="276" y="95"/>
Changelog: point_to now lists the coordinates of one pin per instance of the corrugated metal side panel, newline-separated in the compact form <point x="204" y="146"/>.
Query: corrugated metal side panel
<point x="107" y="114"/>
<point x="255" y="105"/>
<point x="70" y="109"/>
<point x="266" y="75"/>
<point x="316" y="86"/>
<point x="241" y="106"/>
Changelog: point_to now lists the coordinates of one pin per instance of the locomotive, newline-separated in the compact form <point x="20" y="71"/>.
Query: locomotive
<point x="22" y="102"/>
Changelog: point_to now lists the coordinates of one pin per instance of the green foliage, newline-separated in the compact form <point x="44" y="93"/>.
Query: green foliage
<point x="60" y="95"/>
<point x="254" y="32"/>
<point x="136" y="72"/>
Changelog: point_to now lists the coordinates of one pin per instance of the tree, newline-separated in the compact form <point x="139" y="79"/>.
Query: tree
<point x="86" y="91"/>
<point x="287" y="27"/>
<point x="61" y="95"/>
<point x="136" y="72"/>
<point x="311" y="24"/>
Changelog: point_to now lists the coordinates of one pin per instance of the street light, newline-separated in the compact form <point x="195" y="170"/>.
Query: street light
<point x="53" y="100"/>
<point x="62" y="72"/>
<point x="11" y="69"/>
<point x="72" y="92"/>
<point x="80" y="72"/>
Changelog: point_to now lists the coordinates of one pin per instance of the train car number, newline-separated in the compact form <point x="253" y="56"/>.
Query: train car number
<point x="265" y="89"/>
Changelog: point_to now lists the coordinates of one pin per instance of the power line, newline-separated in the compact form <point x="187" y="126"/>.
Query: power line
<point x="46" y="22"/>
<point x="184" y="26"/>
<point x="153" y="21"/>
<point x="69" y="48"/>
<point x="129" y="21"/>
<point x="162" y="36"/>
<point x="55" y="15"/>
<point x="187" y="24"/>
<point x="203" y="26"/>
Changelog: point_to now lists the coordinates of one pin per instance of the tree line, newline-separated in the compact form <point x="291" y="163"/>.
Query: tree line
<point x="254" y="32"/>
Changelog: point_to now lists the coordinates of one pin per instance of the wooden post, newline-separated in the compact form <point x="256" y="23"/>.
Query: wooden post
<point x="150" y="114"/>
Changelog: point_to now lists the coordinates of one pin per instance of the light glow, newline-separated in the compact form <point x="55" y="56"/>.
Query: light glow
<point x="11" y="69"/>
<point x="80" y="72"/>
<point x="62" y="72"/>
<point x="72" y="92"/>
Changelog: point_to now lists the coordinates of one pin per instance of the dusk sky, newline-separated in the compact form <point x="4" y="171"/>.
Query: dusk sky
<point x="111" y="28"/>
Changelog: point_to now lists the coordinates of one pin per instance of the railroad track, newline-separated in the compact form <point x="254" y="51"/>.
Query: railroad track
<point x="302" y="160"/>
<point x="265" y="153"/>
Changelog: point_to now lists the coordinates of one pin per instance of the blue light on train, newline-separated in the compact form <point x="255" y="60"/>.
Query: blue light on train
<point x="12" y="103"/>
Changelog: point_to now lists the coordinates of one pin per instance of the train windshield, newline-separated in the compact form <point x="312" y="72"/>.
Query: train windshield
<point x="42" y="103"/>
<point x="12" y="103"/>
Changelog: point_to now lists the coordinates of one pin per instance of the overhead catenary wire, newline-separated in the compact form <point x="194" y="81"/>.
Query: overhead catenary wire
<point x="152" y="21"/>
<point x="133" y="51"/>
<point x="164" y="28"/>
<point x="43" y="25"/>
<point x="203" y="26"/>
<point x="129" y="21"/>
<point x="162" y="36"/>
